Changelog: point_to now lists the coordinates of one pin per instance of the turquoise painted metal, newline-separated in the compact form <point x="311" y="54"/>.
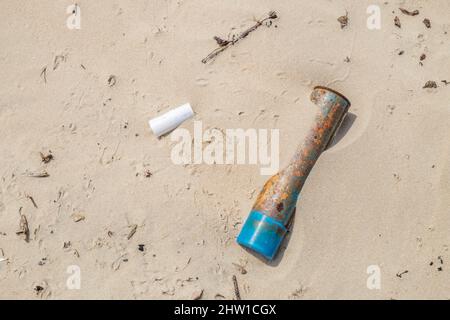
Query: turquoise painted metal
<point x="266" y="225"/>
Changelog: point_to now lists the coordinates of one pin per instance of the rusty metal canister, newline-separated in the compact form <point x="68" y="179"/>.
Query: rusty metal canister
<point x="266" y="225"/>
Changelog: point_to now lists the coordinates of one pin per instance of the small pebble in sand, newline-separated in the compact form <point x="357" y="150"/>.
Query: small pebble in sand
<point x="427" y="23"/>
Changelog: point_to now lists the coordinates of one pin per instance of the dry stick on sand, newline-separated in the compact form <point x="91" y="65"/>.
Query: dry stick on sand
<point x="225" y="44"/>
<point x="236" y="288"/>
<point x="32" y="200"/>
<point x="39" y="174"/>
<point x="44" y="74"/>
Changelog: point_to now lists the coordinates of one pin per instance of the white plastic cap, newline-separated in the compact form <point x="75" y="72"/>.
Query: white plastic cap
<point x="171" y="119"/>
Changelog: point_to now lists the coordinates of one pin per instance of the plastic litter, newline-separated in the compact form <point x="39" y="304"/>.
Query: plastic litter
<point x="171" y="119"/>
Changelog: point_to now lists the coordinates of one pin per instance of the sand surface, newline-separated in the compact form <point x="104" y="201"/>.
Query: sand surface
<point x="379" y="197"/>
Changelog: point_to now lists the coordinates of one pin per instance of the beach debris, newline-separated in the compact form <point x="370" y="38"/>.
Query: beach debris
<point x="236" y="288"/>
<point x="141" y="247"/>
<point x="171" y="119"/>
<point x="225" y="44"/>
<point x="397" y="22"/>
<point x="409" y="13"/>
<point x="423" y="56"/>
<point x="197" y="294"/>
<point x="2" y="256"/>
<point x="270" y="218"/>
<point x="440" y="261"/>
<point x="446" y="82"/>
<point x="116" y="263"/>
<point x="32" y="200"/>
<point x="38" y="289"/>
<point x="37" y="174"/>
<point x="343" y="20"/>
<point x="112" y="80"/>
<point x="430" y="85"/>
<point x="240" y="268"/>
<point x="42" y="262"/>
<point x="46" y="158"/>
<point x="401" y="52"/>
<point x="58" y="59"/>
<point x="132" y="231"/>
<point x="427" y="23"/>
<point x="44" y="74"/>
<point x="82" y="66"/>
<point x="42" y="290"/>
<point x="400" y="274"/>
<point x="23" y="231"/>
<point x="347" y="59"/>
<point x="147" y="173"/>
<point x="77" y="217"/>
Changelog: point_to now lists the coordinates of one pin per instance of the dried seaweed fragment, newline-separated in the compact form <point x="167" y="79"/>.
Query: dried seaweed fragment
<point x="343" y="20"/>
<point x="409" y="13"/>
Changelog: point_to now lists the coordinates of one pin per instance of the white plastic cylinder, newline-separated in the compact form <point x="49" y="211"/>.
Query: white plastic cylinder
<point x="171" y="119"/>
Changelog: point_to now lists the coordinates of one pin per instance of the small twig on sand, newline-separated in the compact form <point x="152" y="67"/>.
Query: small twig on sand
<point x="132" y="231"/>
<point x="224" y="44"/>
<point x="409" y="13"/>
<point x="40" y="174"/>
<point x="236" y="288"/>
<point x="44" y="74"/>
<point x="32" y="200"/>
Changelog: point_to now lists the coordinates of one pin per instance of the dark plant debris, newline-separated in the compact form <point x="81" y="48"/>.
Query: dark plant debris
<point x="23" y="227"/>
<point x="343" y="20"/>
<point x="46" y="158"/>
<point x="400" y="274"/>
<point x="38" y="289"/>
<point x="132" y="231"/>
<point x="224" y="44"/>
<point x="427" y="23"/>
<point x="446" y="82"/>
<point x="32" y="200"/>
<point x="409" y="13"/>
<point x="236" y="288"/>
<point x="147" y="173"/>
<point x="44" y="74"/>
<point x="112" y="80"/>
<point x="430" y="85"/>
<point x="397" y="22"/>
<point x="401" y="53"/>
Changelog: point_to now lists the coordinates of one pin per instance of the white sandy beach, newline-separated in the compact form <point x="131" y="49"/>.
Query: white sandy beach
<point x="380" y="196"/>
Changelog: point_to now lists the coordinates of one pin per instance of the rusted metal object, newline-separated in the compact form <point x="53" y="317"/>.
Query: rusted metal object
<point x="265" y="227"/>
